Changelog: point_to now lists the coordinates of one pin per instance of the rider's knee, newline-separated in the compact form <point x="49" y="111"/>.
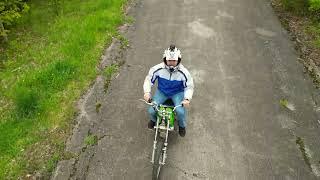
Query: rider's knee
<point x="151" y="111"/>
<point x="180" y="111"/>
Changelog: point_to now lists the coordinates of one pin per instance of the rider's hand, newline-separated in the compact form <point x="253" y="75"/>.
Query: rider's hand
<point x="147" y="97"/>
<point x="186" y="103"/>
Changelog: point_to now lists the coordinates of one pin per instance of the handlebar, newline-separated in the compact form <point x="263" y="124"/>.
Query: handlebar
<point x="155" y="105"/>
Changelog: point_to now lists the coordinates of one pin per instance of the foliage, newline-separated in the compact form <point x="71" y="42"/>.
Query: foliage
<point x="50" y="59"/>
<point x="91" y="140"/>
<point x="314" y="5"/>
<point x="306" y="156"/>
<point x="298" y="6"/>
<point x="315" y="9"/>
<point x="314" y="30"/>
<point x="284" y="102"/>
<point x="56" y="4"/>
<point x="303" y="7"/>
<point x="108" y="73"/>
<point x="26" y="101"/>
<point x="10" y="12"/>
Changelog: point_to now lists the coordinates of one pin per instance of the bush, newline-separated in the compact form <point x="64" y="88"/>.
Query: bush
<point x="10" y="12"/>
<point x="297" y="6"/>
<point x="303" y="7"/>
<point x="315" y="8"/>
<point x="314" y="5"/>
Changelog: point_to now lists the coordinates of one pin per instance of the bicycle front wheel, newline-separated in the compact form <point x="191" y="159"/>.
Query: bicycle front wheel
<point x="157" y="159"/>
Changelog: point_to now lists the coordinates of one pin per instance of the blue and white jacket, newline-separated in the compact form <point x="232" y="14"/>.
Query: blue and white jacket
<point x="170" y="83"/>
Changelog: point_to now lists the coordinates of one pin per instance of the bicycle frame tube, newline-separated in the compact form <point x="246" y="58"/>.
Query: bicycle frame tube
<point x="165" y="114"/>
<point x="155" y="140"/>
<point x="165" y="144"/>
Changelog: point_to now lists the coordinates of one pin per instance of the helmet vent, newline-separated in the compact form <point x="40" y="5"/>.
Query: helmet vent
<point x="172" y="47"/>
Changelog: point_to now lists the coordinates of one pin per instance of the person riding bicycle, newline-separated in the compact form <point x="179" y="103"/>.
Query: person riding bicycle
<point x="174" y="82"/>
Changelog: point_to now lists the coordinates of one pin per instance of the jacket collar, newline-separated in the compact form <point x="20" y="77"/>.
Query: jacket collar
<point x="175" y="69"/>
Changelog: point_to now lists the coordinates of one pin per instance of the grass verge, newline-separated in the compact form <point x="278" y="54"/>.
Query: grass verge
<point x="49" y="61"/>
<point x="300" y="143"/>
<point x="304" y="30"/>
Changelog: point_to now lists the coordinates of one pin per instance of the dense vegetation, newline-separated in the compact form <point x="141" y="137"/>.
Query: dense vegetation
<point x="307" y="12"/>
<point x="48" y="56"/>
<point x="304" y="7"/>
<point x="10" y="12"/>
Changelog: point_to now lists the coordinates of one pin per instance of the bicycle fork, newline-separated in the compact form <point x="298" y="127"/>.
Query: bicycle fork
<point x="155" y="141"/>
<point x="165" y="143"/>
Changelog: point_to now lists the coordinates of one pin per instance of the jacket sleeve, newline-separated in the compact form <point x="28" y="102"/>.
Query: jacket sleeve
<point x="188" y="90"/>
<point x="150" y="78"/>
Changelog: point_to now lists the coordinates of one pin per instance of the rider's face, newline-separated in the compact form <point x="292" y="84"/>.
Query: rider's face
<point x="172" y="62"/>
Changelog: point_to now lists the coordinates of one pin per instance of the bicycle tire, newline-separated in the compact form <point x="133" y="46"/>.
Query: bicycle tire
<point x="157" y="157"/>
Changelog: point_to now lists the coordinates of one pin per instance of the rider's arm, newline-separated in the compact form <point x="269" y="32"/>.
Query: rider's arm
<point x="188" y="90"/>
<point x="151" y="78"/>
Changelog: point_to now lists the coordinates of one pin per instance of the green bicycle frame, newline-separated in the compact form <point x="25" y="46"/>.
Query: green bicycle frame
<point x="168" y="110"/>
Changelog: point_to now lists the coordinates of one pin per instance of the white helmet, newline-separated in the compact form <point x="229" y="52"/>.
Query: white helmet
<point x="172" y="53"/>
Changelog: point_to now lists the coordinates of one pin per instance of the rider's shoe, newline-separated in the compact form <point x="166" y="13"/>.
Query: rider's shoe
<point x="182" y="131"/>
<point x="151" y="124"/>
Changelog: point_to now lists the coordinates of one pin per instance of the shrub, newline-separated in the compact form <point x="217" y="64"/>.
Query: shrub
<point x="314" y="5"/>
<point x="297" y="6"/>
<point x="10" y="12"/>
<point x="315" y="8"/>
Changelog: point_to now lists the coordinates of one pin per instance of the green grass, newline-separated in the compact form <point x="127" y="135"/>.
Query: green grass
<point x="307" y="9"/>
<point x="296" y="6"/>
<point x="108" y="73"/>
<point x="314" y="30"/>
<point x="48" y="62"/>
<point x="129" y="19"/>
<point x="91" y="140"/>
<point x="284" y="102"/>
<point x="98" y="106"/>
<point x="300" y="143"/>
<point x="51" y="164"/>
<point x="110" y="70"/>
<point x="124" y="42"/>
